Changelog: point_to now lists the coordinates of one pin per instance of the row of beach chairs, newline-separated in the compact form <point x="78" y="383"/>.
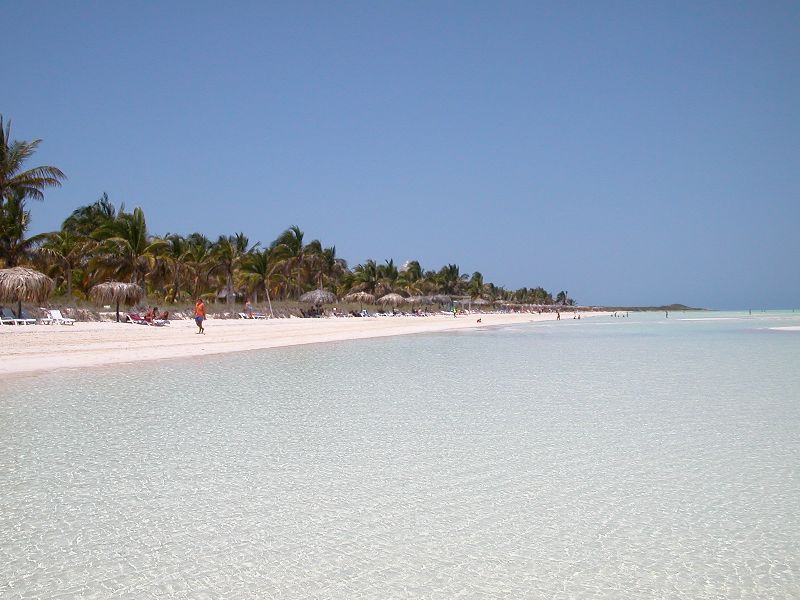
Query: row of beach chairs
<point x="54" y="317"/>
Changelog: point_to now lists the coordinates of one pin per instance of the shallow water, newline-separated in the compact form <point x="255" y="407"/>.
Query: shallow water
<point x="603" y="458"/>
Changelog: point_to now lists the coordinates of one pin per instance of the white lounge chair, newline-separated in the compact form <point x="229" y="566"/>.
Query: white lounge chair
<point x="9" y="318"/>
<point x="29" y="320"/>
<point x="57" y="317"/>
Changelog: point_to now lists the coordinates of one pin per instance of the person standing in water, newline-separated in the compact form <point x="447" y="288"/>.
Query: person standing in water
<point x="200" y="315"/>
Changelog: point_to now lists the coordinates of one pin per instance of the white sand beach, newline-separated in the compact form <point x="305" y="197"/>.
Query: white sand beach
<point x="37" y="348"/>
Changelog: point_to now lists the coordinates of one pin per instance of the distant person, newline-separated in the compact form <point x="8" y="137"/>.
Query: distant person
<point x="558" y="315"/>
<point x="248" y="309"/>
<point x="200" y="315"/>
<point x="667" y="314"/>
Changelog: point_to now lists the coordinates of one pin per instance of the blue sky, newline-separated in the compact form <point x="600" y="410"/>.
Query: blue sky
<point x="628" y="152"/>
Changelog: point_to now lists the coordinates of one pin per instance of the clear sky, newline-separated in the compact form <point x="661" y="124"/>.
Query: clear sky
<point x="629" y="152"/>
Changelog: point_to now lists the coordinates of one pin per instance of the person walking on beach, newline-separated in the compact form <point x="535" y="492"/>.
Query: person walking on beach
<point x="200" y="314"/>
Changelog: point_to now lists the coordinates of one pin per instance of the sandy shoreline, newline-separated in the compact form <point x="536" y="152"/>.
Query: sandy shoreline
<point x="39" y="348"/>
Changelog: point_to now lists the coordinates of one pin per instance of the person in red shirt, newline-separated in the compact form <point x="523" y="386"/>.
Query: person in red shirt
<point x="200" y="314"/>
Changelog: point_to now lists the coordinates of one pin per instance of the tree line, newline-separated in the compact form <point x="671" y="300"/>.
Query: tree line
<point x="102" y="242"/>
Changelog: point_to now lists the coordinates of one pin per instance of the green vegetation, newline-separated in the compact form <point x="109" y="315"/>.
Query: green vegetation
<point x="100" y="242"/>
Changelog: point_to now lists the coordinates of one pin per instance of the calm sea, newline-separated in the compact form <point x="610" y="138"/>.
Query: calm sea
<point x="637" y="457"/>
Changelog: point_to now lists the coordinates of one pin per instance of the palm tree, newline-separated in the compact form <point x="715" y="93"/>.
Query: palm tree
<point x="492" y="291"/>
<point x="294" y="259"/>
<point x="127" y="251"/>
<point x="174" y="256"/>
<point x="366" y="277"/>
<point x="476" y="286"/>
<point x="410" y="278"/>
<point x="200" y="261"/>
<point x="387" y="275"/>
<point x="450" y="279"/>
<point x="260" y="267"/>
<point x="331" y="268"/>
<point x="14" y="221"/>
<point x="86" y="220"/>
<point x="67" y="250"/>
<point x="229" y="252"/>
<point x="17" y="184"/>
<point x="540" y="295"/>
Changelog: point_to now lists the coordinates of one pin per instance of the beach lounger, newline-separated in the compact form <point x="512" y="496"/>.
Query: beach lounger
<point x="136" y="318"/>
<point x="140" y="320"/>
<point x="26" y="318"/>
<point x="56" y="316"/>
<point x="9" y="318"/>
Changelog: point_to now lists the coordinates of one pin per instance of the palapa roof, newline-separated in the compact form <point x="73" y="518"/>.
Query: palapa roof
<point x="393" y="299"/>
<point x="21" y="284"/>
<point x="360" y="297"/>
<point x="117" y="291"/>
<point x="318" y="297"/>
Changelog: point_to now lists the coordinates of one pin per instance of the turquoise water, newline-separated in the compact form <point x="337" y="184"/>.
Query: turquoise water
<point x="603" y="458"/>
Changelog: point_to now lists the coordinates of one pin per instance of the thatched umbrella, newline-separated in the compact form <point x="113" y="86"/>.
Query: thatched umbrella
<point x="20" y="283"/>
<point x="360" y="297"/>
<point x="318" y="297"/>
<point x="441" y="299"/>
<point x="418" y="299"/>
<point x="117" y="291"/>
<point x="393" y="299"/>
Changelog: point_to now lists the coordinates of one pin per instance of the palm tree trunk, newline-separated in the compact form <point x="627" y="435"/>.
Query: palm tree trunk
<point x="68" y="275"/>
<point x="177" y="283"/>
<point x="269" y="302"/>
